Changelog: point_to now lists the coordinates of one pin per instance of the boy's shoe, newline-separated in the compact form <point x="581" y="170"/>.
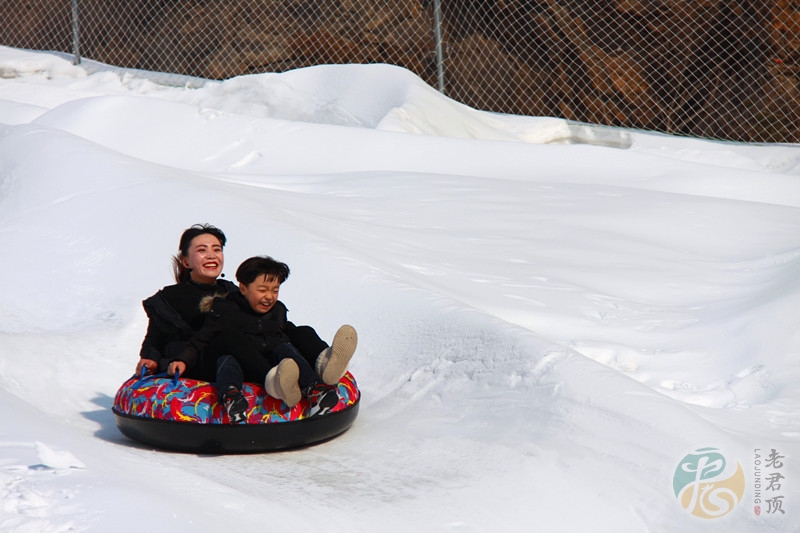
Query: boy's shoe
<point x="281" y="382"/>
<point x="236" y="405"/>
<point x="332" y="362"/>
<point x="321" y="399"/>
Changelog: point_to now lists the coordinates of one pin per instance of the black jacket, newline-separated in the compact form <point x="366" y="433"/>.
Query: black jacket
<point x="175" y="331"/>
<point x="243" y="331"/>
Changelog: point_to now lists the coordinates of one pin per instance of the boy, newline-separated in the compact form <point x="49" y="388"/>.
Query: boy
<point x="254" y="343"/>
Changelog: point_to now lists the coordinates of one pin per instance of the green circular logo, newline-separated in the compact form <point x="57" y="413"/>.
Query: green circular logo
<point x="706" y="486"/>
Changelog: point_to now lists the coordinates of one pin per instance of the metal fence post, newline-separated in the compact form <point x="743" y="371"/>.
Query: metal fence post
<point x="437" y="31"/>
<point x="76" y="36"/>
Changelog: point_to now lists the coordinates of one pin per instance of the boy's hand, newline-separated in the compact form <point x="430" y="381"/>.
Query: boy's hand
<point x="176" y="366"/>
<point x="151" y="366"/>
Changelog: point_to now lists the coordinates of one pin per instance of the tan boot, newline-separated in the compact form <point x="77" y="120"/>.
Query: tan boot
<point x="332" y="362"/>
<point x="281" y="382"/>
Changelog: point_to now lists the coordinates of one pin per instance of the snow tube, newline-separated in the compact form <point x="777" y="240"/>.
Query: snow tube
<point x="186" y="415"/>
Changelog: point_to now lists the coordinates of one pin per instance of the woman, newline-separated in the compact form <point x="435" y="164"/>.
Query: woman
<point x="174" y="341"/>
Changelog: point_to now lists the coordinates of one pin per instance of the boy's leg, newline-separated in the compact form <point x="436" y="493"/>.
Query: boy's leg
<point x="281" y="382"/>
<point x="229" y="388"/>
<point x="332" y="363"/>
<point x="321" y="397"/>
<point x="306" y="374"/>
<point x="307" y="342"/>
<point x="229" y="373"/>
<point x="253" y="365"/>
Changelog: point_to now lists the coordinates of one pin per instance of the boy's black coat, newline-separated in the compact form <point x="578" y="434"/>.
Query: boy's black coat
<point x="242" y="329"/>
<point x="252" y="337"/>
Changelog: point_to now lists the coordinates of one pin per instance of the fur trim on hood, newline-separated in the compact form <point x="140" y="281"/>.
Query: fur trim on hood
<point x="207" y="302"/>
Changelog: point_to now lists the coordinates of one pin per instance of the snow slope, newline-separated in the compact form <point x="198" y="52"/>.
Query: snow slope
<point x="551" y="315"/>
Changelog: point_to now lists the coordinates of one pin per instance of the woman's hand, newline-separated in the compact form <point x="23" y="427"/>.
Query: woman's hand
<point x="151" y="366"/>
<point x="176" y="366"/>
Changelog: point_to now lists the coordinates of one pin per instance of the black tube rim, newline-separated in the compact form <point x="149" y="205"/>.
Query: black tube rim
<point x="235" y="438"/>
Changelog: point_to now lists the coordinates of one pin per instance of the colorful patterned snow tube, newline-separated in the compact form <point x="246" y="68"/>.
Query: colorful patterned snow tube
<point x="186" y="415"/>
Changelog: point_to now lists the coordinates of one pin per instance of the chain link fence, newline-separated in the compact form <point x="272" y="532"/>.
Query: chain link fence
<point x="722" y="69"/>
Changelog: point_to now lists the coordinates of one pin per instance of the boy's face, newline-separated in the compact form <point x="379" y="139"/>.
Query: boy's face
<point x="262" y="293"/>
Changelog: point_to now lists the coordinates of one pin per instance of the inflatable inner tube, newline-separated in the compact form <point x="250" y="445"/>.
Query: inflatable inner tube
<point x="186" y="415"/>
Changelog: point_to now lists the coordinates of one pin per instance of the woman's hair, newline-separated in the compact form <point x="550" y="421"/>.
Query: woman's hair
<point x="181" y="272"/>
<point x="262" y="265"/>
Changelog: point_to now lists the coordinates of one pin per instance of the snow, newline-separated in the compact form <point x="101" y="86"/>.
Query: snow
<point x="551" y="315"/>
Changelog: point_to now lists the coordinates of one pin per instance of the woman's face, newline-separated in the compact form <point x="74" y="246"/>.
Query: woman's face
<point x="205" y="258"/>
